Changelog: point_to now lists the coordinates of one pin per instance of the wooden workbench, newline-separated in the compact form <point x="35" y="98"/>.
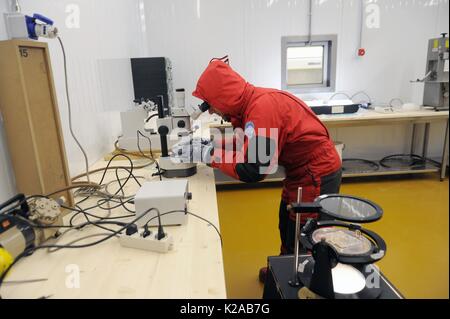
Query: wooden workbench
<point x="193" y="269"/>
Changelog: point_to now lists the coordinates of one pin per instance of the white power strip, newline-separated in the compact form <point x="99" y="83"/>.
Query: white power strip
<point x="150" y="243"/>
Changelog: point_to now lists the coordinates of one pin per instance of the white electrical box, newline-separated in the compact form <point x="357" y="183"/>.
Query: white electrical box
<point x="166" y="196"/>
<point x="16" y="27"/>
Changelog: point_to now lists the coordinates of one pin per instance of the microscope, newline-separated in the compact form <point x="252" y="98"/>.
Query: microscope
<point x="342" y="252"/>
<point x="175" y="126"/>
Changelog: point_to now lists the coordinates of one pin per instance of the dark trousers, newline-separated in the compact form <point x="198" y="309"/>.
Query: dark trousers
<point x="329" y="184"/>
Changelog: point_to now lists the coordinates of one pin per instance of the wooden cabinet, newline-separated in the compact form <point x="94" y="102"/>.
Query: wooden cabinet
<point x="31" y="119"/>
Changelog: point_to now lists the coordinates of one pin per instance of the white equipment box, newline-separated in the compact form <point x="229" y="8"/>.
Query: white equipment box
<point x="166" y="196"/>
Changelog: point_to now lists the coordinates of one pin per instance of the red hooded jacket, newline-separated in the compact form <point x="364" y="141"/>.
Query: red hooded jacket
<point x="304" y="145"/>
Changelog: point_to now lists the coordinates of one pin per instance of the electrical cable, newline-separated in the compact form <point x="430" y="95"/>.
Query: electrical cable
<point x="83" y="211"/>
<point x="86" y="215"/>
<point x="71" y="187"/>
<point x="362" y="93"/>
<point x="47" y="197"/>
<point x="111" y="167"/>
<point x="207" y="221"/>
<point x="16" y="6"/>
<point x="393" y="100"/>
<point x="107" y="236"/>
<point x="408" y="160"/>
<point x="28" y="281"/>
<point x="99" y="203"/>
<point x="361" y="26"/>
<point x="102" y="220"/>
<point x="104" y="174"/>
<point x="87" y="174"/>
<point x="107" y="196"/>
<point x="109" y="163"/>
<point x="94" y="223"/>
<point x="339" y="93"/>
<point x="89" y="222"/>
<point x="161" y="233"/>
<point x="79" y="210"/>
<point x="52" y="250"/>
<point x="310" y="23"/>
<point x="106" y="186"/>
<point x="189" y="213"/>
<point x="150" y="117"/>
<point x="118" y="181"/>
<point x="159" y="215"/>
<point x="139" y="133"/>
<point x="124" y="151"/>
<point x="121" y="203"/>
<point x="33" y="249"/>
<point x="69" y="108"/>
<point x="38" y="226"/>
<point x="371" y="166"/>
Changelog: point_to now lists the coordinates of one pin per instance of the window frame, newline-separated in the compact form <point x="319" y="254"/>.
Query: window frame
<point x="329" y="63"/>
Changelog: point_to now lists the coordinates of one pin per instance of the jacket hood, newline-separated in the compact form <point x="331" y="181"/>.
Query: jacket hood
<point x="224" y="89"/>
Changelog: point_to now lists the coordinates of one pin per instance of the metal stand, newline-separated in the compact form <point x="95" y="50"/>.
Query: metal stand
<point x="444" y="155"/>
<point x="413" y="138"/>
<point x="294" y="282"/>
<point x="426" y="138"/>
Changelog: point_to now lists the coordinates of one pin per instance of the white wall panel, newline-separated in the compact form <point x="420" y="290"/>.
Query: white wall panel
<point x="6" y="178"/>
<point x="108" y="29"/>
<point x="190" y="32"/>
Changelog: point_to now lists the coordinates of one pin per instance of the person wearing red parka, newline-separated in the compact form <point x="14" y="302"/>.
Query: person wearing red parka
<point x="302" y="144"/>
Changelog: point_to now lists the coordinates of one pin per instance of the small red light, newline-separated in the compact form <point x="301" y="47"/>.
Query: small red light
<point x="362" y="52"/>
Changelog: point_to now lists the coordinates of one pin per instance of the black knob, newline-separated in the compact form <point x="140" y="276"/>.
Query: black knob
<point x="163" y="130"/>
<point x="181" y="124"/>
<point x="444" y="35"/>
<point x="204" y="107"/>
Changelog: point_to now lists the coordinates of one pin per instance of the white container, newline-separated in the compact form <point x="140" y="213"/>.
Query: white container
<point x="410" y="107"/>
<point x="339" y="148"/>
<point x="180" y="97"/>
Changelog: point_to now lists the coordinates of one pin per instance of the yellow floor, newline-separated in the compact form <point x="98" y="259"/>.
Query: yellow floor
<point x="415" y="227"/>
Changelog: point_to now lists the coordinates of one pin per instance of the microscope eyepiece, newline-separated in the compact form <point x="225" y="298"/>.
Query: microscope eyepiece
<point x="204" y="107"/>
